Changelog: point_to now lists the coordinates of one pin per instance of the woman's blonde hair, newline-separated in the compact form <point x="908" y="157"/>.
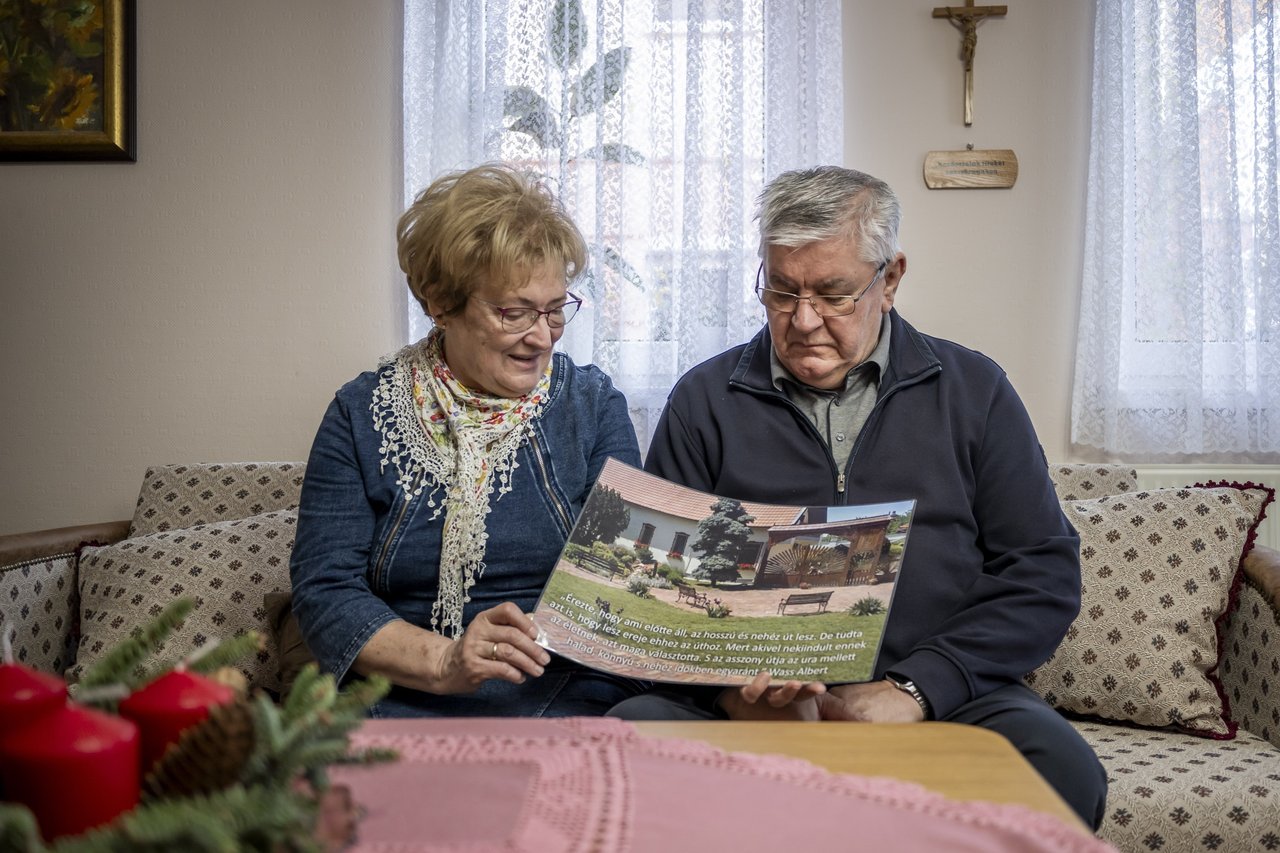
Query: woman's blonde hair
<point x="490" y="223"/>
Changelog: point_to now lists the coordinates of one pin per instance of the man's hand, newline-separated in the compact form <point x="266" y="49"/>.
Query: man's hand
<point x="792" y="700"/>
<point x="872" y="702"/>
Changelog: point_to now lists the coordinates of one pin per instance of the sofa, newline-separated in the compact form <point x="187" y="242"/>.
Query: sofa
<point x="1171" y="672"/>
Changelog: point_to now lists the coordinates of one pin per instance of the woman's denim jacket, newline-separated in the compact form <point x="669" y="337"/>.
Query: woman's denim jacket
<point x="366" y="554"/>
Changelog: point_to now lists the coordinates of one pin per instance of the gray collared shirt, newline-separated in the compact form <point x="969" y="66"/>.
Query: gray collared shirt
<point x="839" y="414"/>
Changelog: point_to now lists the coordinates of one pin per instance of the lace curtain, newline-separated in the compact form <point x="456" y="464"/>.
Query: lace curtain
<point x="1178" y="348"/>
<point x="658" y="123"/>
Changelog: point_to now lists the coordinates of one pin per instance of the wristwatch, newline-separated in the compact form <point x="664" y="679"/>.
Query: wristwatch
<point x="908" y="687"/>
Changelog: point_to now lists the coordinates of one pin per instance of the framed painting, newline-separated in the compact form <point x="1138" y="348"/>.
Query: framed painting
<point x="67" y="80"/>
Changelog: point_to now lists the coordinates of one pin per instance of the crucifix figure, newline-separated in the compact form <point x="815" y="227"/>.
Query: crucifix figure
<point x="966" y="18"/>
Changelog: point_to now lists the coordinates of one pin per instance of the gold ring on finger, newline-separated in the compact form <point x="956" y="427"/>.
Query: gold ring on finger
<point x="494" y="654"/>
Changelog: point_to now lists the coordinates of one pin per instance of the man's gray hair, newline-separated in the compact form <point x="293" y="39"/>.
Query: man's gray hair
<point x="807" y="205"/>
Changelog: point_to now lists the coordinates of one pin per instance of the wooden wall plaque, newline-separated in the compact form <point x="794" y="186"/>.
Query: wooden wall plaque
<point x="991" y="168"/>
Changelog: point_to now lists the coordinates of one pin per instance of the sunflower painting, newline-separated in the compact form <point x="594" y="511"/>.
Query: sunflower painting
<point x="63" y="79"/>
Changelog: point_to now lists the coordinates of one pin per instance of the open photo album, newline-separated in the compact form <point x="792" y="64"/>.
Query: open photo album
<point x="665" y="583"/>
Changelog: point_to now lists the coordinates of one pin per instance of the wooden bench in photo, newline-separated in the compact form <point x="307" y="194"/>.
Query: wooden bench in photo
<point x="795" y="599"/>
<point x="594" y="564"/>
<point x="684" y="591"/>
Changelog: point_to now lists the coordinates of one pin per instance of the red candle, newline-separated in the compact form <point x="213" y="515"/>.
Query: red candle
<point x="73" y="767"/>
<point x="166" y="707"/>
<point x="26" y="694"/>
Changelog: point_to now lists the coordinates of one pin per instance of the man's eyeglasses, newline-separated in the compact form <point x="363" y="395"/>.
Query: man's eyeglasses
<point x="522" y="319"/>
<point x="824" y="305"/>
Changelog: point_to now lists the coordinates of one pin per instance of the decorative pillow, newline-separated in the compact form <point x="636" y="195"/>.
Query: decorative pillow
<point x="227" y="567"/>
<point x="1159" y="573"/>
<point x="1077" y="481"/>
<point x="176" y="496"/>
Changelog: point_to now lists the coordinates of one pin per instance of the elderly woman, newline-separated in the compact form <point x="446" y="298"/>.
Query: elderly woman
<point x="442" y="486"/>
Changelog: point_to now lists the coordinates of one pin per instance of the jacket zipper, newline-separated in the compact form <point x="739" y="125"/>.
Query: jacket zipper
<point x="380" y="566"/>
<point x="841" y="479"/>
<point x="546" y="482"/>
<point x="813" y="430"/>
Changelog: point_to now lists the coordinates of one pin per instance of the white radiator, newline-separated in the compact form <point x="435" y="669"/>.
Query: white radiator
<point x="1173" y="476"/>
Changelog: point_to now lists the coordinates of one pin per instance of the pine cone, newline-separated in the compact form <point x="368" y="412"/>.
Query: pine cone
<point x="208" y="757"/>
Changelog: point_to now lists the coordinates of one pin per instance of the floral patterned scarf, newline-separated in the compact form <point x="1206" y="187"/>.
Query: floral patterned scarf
<point x="465" y="442"/>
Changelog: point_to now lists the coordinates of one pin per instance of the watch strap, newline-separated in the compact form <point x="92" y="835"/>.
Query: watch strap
<point x="908" y="687"/>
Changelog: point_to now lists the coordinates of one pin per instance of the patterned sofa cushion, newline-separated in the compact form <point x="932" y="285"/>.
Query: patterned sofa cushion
<point x="1174" y="792"/>
<point x="1158" y="572"/>
<point x="1080" y="481"/>
<point x="228" y="567"/>
<point x="176" y="496"/>
<point x="38" y="603"/>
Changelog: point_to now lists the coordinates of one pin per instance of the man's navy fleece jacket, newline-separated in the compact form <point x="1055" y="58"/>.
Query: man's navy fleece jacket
<point x="991" y="578"/>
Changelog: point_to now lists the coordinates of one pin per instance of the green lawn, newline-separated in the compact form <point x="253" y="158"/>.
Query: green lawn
<point x="788" y="646"/>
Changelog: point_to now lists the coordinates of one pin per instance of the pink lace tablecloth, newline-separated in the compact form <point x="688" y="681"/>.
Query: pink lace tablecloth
<point x="596" y="785"/>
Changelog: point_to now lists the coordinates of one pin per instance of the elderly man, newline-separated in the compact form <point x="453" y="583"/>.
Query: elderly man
<point x="839" y="400"/>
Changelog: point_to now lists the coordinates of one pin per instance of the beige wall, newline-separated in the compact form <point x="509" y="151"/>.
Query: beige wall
<point x="204" y="303"/>
<point x="996" y="270"/>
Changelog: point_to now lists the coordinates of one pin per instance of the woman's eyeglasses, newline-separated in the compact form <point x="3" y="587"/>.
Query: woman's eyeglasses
<point x="521" y="319"/>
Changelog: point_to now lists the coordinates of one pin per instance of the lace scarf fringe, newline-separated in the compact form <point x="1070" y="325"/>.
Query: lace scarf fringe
<point x="417" y="459"/>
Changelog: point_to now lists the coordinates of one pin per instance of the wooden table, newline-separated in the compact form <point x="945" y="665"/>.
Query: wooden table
<point x="958" y="761"/>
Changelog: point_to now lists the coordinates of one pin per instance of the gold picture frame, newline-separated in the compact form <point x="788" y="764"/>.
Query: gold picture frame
<point x="67" y="80"/>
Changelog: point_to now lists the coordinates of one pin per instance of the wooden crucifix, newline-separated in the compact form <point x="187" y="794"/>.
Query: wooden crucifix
<point x="966" y="18"/>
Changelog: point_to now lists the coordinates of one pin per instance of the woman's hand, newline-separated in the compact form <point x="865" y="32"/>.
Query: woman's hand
<point x="499" y="643"/>
<point x="791" y="700"/>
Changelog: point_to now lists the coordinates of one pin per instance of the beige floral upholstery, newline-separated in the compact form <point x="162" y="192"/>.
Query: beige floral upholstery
<point x="1079" y="481"/>
<point x="1175" y="792"/>
<point x="38" y="602"/>
<point x="174" y="496"/>
<point x="1172" y="791"/>
<point x="228" y="567"/>
<point x="1157" y="570"/>
<point x="1169" y="792"/>
<point x="1250" y="669"/>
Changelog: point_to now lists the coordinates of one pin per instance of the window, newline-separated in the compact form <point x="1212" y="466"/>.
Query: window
<point x="657" y="123"/>
<point x="1178" y="348"/>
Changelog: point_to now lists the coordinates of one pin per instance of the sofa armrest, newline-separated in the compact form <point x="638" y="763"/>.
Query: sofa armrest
<point x="1251" y="647"/>
<point x="39" y="544"/>
<point x="1262" y="569"/>
<point x="39" y="595"/>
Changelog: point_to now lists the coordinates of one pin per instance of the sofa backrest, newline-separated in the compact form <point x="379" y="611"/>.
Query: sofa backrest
<point x="1076" y="481"/>
<point x="41" y="578"/>
<point x="177" y="496"/>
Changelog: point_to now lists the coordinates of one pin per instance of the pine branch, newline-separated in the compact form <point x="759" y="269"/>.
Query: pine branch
<point x="233" y="819"/>
<point x="120" y="665"/>
<point x="268" y="734"/>
<point x="375" y="755"/>
<point x="303" y="684"/>
<point x="359" y="696"/>
<point x="225" y="653"/>
<point x="18" y="831"/>
<point x="310" y="731"/>
<point x="311" y="694"/>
